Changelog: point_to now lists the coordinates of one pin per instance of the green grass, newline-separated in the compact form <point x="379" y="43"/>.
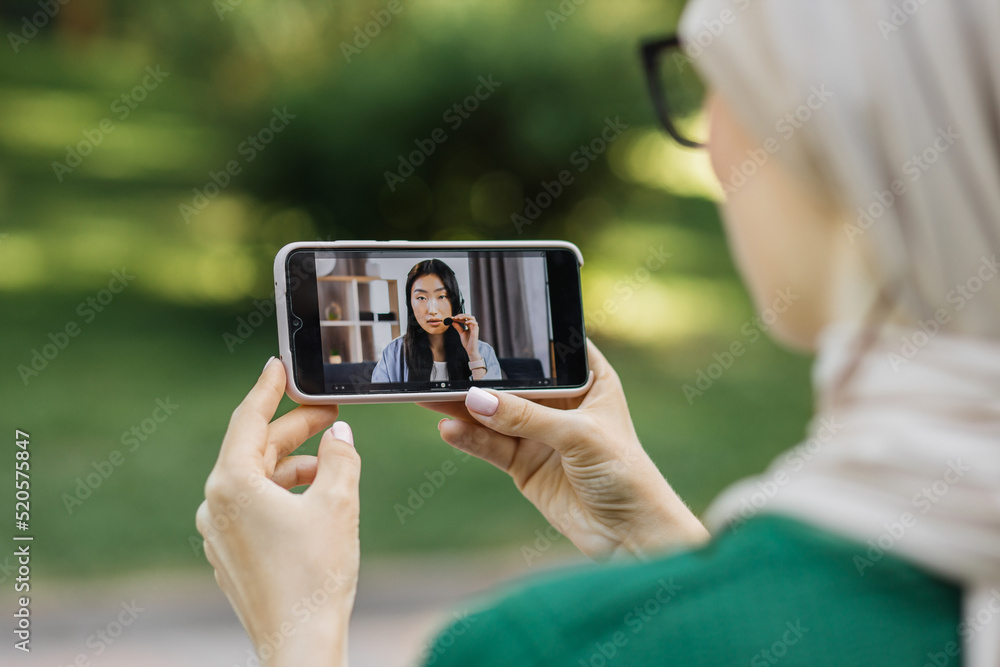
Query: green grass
<point x="137" y="351"/>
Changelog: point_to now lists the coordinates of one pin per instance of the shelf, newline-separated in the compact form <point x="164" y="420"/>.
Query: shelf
<point x="356" y="338"/>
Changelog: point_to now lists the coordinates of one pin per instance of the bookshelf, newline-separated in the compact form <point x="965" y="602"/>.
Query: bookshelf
<point x="353" y="333"/>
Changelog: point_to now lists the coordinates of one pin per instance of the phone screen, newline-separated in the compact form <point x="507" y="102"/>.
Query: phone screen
<point x="421" y="320"/>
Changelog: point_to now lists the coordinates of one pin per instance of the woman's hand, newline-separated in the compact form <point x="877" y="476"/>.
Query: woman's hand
<point x="287" y="562"/>
<point x="470" y="338"/>
<point x="580" y="462"/>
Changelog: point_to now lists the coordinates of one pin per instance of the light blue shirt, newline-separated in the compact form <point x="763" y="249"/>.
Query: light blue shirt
<point x="387" y="368"/>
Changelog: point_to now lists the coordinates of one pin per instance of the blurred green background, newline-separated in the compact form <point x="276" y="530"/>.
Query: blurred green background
<point x="127" y="167"/>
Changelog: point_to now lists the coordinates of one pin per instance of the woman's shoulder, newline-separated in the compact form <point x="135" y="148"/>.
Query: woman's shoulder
<point x="714" y="604"/>
<point x="391" y="350"/>
<point x="484" y="346"/>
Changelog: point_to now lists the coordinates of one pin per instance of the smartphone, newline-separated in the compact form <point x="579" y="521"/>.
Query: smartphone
<point x="400" y="321"/>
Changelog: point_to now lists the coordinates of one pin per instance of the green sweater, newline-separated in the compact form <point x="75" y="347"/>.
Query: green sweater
<point x="773" y="591"/>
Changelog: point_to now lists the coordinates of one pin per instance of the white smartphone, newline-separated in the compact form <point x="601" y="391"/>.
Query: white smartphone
<point x="401" y="321"/>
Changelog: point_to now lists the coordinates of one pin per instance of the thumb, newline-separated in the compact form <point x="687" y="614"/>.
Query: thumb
<point x="338" y="468"/>
<point x="518" y="417"/>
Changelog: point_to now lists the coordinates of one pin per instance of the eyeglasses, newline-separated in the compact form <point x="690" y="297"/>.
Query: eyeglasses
<point x="676" y="90"/>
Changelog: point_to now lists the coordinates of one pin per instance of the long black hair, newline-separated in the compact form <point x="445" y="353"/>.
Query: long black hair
<point x="416" y="342"/>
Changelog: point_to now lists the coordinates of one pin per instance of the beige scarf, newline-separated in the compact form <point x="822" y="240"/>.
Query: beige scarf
<point x="904" y="457"/>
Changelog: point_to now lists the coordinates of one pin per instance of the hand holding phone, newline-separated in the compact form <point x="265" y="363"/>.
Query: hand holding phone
<point x="580" y="462"/>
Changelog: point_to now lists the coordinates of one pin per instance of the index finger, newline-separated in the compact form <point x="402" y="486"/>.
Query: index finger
<point x="287" y="433"/>
<point x="246" y="437"/>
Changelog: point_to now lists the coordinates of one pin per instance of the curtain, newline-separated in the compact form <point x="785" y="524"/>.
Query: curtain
<point x="497" y="285"/>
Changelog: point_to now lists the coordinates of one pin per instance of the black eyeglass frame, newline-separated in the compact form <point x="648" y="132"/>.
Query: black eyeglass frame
<point x="652" y="55"/>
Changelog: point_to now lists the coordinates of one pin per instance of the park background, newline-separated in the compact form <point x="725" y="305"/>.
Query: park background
<point x="201" y="78"/>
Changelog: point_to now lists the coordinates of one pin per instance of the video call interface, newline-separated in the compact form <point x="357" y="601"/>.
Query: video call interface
<point x="409" y="320"/>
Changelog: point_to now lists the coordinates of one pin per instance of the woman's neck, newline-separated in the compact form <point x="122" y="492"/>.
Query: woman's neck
<point x="854" y="286"/>
<point x="437" y="346"/>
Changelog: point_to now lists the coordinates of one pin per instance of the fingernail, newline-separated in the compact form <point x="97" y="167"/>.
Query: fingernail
<point x="342" y="431"/>
<point x="441" y="422"/>
<point x="268" y="363"/>
<point x="481" y="401"/>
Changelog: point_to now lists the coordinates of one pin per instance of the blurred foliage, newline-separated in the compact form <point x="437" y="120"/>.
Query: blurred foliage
<point x="224" y="68"/>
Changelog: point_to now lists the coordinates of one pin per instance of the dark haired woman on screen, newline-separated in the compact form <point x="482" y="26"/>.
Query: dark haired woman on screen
<point x="430" y="350"/>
